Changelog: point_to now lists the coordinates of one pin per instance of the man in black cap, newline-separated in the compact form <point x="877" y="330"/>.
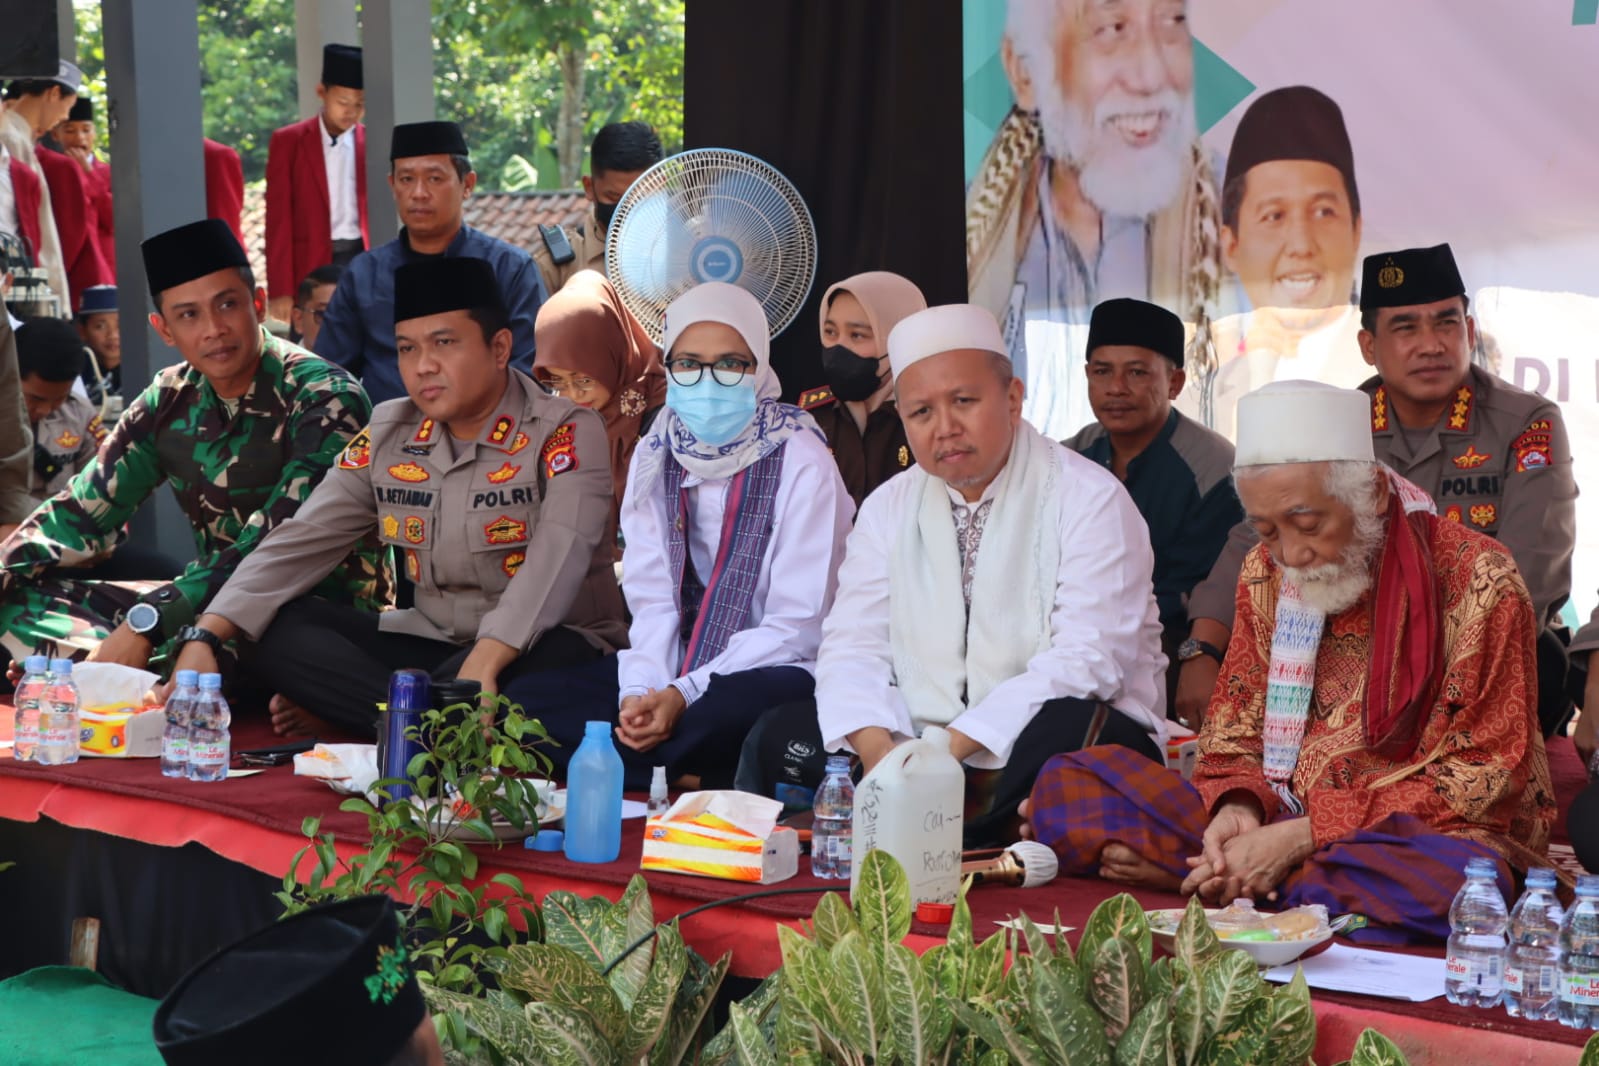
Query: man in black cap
<point x="1290" y="231"/>
<point x="101" y="333"/>
<point x="1175" y="469"/>
<point x="316" y="188"/>
<point x="332" y="984"/>
<point x="496" y="494"/>
<point x="431" y="177"/>
<point x="76" y="137"/>
<point x="1494" y="457"/>
<point x="243" y="429"/>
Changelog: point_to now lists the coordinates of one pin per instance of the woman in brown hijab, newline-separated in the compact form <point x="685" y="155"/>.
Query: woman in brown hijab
<point x="856" y="407"/>
<point x="591" y="350"/>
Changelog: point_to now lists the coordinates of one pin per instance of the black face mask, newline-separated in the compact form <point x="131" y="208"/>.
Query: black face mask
<point x="603" y="213"/>
<point x="852" y="378"/>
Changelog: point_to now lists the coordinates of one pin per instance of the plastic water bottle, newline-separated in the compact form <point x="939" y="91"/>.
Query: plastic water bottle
<point x="179" y="714"/>
<point x="832" y="829"/>
<point x="594" y="797"/>
<point x="210" y="744"/>
<point x="58" y="717"/>
<point x="1474" y="972"/>
<point x="1533" y="967"/>
<point x="29" y="697"/>
<point x="1579" y="957"/>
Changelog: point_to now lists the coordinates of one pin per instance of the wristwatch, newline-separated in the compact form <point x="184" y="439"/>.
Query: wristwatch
<point x="144" y="619"/>
<point x="1193" y="649"/>
<point x="190" y="634"/>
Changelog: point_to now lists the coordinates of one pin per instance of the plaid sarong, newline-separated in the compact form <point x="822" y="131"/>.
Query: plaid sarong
<point x="1398" y="874"/>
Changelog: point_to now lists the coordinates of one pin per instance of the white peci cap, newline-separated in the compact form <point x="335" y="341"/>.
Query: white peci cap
<point x="950" y="328"/>
<point x="1303" y="422"/>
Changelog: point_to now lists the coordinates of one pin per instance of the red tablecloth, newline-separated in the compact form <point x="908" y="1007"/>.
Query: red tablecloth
<point x="257" y="821"/>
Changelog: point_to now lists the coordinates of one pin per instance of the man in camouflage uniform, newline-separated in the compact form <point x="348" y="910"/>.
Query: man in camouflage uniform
<point x="243" y="429"/>
<point x="499" y="497"/>
<point x="1494" y="457"/>
<point x="66" y="427"/>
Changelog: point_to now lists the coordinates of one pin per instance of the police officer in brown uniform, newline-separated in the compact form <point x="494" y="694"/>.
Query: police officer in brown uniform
<point x="1494" y="457"/>
<point x="855" y="409"/>
<point x="495" y="494"/>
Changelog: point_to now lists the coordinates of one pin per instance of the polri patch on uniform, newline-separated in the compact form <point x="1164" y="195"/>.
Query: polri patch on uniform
<point x="69" y="439"/>
<point x="1471" y="458"/>
<point x="502" y="430"/>
<point x="513" y="562"/>
<point x="357" y="455"/>
<point x="415" y="529"/>
<point x="560" y="450"/>
<point x="503" y="474"/>
<point x="408" y="472"/>
<point x="413" y="564"/>
<point x="505" y="530"/>
<point x="391" y="526"/>
<point x="521" y="441"/>
<point x="1483" y="515"/>
<point x="1453" y="513"/>
<point x="1532" y="447"/>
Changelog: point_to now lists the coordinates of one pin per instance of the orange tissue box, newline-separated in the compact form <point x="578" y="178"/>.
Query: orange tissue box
<point x="121" y="732"/>
<point x="729" y="835"/>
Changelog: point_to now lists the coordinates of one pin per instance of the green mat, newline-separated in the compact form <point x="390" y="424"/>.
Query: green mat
<point x="64" y="1016"/>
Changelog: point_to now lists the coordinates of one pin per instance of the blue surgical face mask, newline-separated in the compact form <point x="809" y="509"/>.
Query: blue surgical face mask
<point x="714" y="413"/>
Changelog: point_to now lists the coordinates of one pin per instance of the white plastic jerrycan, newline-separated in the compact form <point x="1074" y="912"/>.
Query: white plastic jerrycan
<point x="911" y="806"/>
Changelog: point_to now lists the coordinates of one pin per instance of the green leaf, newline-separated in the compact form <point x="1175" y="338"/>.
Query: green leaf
<point x="985" y="973"/>
<point x="1229" y="984"/>
<point x="1188" y="1020"/>
<point x="862" y="1000"/>
<point x="921" y="1021"/>
<point x="1163" y="977"/>
<point x="882" y="899"/>
<point x="1017" y="1047"/>
<point x="565" y="1037"/>
<point x="507" y="1031"/>
<point x="1291" y="1029"/>
<point x="753" y="1050"/>
<point x="832" y="920"/>
<point x="1590" y="1052"/>
<point x="1195" y="941"/>
<point x="639" y="918"/>
<point x="1037" y="944"/>
<point x="651" y="1008"/>
<point x="1117" y="984"/>
<point x="1374" y="1049"/>
<point x="560" y="977"/>
<point x="1148" y="1039"/>
<point x="1245" y="1043"/>
<point x="1120" y="916"/>
<point x="1065" y="1026"/>
<point x="701" y="981"/>
<point x="589" y="927"/>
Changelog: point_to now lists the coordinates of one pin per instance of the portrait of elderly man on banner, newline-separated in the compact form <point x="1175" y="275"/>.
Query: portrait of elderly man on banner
<point x="1094" y="186"/>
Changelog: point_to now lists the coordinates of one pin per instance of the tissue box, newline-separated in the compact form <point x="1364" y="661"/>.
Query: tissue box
<point x="1182" y="749"/>
<point x="729" y="835"/>
<point x="121" y="733"/>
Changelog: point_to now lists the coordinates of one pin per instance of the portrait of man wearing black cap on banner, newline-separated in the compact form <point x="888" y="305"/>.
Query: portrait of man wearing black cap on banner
<point x="497" y="496"/>
<point x="431" y="177"/>
<point x="333" y="984"/>
<point x="1176" y="470"/>
<point x="1493" y="457"/>
<point x="1290" y="233"/>
<point x="316" y="182"/>
<point x="242" y="429"/>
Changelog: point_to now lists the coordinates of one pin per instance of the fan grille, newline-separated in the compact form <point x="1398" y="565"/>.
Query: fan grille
<point x="711" y="214"/>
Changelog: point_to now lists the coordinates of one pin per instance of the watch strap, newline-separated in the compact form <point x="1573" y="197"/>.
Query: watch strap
<point x="1194" y="648"/>
<point x="190" y="634"/>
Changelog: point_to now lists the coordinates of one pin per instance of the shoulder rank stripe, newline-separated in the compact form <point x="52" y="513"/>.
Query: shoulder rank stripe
<point x="1460" y="409"/>
<point x="502" y="429"/>
<point x="1379" y="410"/>
<point x="812" y="398"/>
<point x="424" y="432"/>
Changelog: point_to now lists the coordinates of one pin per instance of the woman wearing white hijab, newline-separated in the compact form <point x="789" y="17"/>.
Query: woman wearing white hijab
<point x="735" y="518"/>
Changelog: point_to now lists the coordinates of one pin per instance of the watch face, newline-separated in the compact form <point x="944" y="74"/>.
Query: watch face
<point x="142" y="618"/>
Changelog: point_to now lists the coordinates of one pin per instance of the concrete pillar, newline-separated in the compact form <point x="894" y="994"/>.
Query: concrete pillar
<point x="67" y="30"/>
<point x="316" y="23"/>
<point x="152" y="62"/>
<point x="398" y="57"/>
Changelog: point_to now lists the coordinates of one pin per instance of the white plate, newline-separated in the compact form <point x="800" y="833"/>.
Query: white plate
<point x="1266" y="953"/>
<point x="630" y="808"/>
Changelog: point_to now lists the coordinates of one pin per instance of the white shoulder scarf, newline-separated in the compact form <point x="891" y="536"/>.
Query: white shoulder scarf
<point x="943" y="662"/>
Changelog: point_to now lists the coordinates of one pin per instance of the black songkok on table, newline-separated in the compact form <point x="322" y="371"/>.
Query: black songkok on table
<point x="1410" y="277"/>
<point x="332" y="984"/>
<point x="1139" y="324"/>
<point x="190" y="252"/>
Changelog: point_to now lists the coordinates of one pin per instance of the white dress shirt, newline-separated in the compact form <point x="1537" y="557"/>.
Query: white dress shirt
<point x="8" y="197"/>
<point x="1104" y="629"/>
<point x="793" y="591"/>
<point x="338" y="157"/>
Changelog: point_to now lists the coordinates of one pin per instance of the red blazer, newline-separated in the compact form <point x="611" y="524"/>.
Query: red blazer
<point x="224" y="186"/>
<point x="29" y="194"/>
<point x="299" y="234"/>
<point x="100" y="194"/>
<point x="76" y="221"/>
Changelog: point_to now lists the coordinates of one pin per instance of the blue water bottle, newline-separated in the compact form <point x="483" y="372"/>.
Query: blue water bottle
<point x="594" y="797"/>
<point x="409" y="693"/>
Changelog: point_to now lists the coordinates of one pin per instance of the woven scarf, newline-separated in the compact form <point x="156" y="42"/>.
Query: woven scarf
<point x="1406" y="647"/>
<point x="718" y="606"/>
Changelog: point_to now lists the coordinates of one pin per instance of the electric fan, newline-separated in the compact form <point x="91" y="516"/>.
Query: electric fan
<point x="711" y="214"/>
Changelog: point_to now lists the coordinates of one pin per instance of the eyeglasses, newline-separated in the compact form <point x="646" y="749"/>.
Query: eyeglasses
<point x="318" y="315"/>
<point x="728" y="370"/>
<point x="570" y="385"/>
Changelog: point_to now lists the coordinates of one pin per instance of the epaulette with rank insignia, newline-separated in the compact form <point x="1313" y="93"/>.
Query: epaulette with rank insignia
<point x="811" y="399"/>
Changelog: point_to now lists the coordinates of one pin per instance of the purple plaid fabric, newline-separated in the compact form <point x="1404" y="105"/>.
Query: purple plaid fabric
<point x="1398" y="874"/>
<point x="714" y="609"/>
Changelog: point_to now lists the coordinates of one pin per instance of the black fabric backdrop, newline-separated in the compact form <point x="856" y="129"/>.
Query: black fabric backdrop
<point x="858" y="103"/>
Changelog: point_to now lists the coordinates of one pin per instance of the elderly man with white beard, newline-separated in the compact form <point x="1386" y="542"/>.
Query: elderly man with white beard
<point x="1375" y="725"/>
<point x="1095" y="185"/>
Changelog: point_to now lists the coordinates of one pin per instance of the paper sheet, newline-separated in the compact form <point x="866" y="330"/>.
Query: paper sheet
<point x="1373" y="973"/>
<point x="1043" y="927"/>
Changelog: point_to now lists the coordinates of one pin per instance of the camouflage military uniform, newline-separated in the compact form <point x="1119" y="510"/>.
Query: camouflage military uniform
<point x="63" y="443"/>
<point x="237" y="475"/>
